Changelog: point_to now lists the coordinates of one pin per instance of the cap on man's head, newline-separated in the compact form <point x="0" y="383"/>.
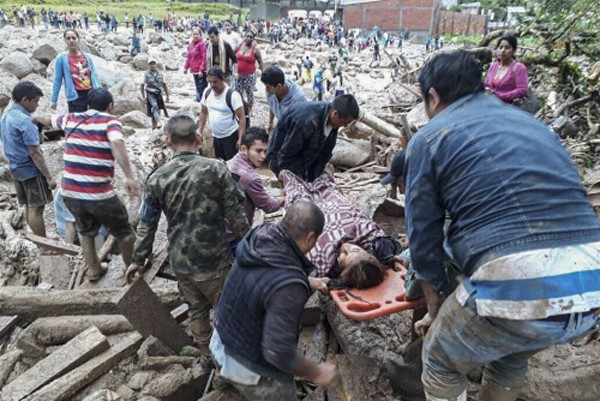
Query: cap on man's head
<point x="323" y="67"/>
<point x="396" y="169"/>
<point x="151" y="60"/>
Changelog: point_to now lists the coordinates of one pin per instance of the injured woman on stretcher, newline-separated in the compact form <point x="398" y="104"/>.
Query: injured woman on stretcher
<point x="352" y="249"/>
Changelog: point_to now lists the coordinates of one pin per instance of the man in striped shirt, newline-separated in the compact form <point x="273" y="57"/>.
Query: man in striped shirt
<point x="94" y="142"/>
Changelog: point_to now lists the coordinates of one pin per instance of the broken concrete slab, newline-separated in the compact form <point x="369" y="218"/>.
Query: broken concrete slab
<point x="313" y="342"/>
<point x="55" y="270"/>
<point x="80" y="349"/>
<point x="145" y="312"/>
<point x="227" y="394"/>
<point x="177" y="385"/>
<point x="312" y="310"/>
<point x="63" y="388"/>
<point x="7" y="323"/>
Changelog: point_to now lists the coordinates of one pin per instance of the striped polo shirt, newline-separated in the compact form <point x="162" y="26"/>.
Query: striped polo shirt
<point x="88" y="157"/>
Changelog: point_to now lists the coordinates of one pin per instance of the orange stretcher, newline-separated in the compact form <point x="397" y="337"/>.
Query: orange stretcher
<point x="385" y="299"/>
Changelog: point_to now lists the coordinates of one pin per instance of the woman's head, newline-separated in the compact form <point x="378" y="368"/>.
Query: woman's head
<point x="365" y="273"/>
<point x="195" y="34"/>
<point x="360" y="269"/>
<point x="249" y="38"/>
<point x="506" y="47"/>
<point x="71" y="38"/>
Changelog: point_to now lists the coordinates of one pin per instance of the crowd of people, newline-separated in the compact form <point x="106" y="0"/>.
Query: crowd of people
<point x="506" y="216"/>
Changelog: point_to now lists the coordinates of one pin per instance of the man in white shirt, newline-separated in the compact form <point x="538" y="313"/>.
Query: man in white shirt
<point x="225" y="111"/>
<point x="230" y="36"/>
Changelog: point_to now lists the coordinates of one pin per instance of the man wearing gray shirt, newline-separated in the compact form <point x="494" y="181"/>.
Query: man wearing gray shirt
<point x="281" y="93"/>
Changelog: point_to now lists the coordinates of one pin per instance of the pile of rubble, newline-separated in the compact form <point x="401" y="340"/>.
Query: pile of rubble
<point x="64" y="340"/>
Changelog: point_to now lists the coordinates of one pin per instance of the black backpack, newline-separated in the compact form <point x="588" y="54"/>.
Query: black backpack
<point x="228" y="101"/>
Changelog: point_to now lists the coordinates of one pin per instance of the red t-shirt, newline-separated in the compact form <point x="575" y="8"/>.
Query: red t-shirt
<point x="80" y="72"/>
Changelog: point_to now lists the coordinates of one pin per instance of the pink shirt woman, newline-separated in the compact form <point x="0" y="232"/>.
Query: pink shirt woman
<point x="507" y="78"/>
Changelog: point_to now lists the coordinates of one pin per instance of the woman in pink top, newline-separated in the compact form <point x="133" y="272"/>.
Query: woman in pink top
<point x="507" y="78"/>
<point x="196" y="62"/>
<point x="247" y="55"/>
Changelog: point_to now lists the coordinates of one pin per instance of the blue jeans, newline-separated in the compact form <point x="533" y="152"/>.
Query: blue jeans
<point x="460" y="340"/>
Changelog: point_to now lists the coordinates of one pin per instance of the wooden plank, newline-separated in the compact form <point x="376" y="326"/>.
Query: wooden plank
<point x="145" y="312"/>
<point x="7" y="362"/>
<point x="57" y="246"/>
<point x="156" y="264"/>
<point x="7" y="323"/>
<point x="69" y="384"/>
<point x="77" y="351"/>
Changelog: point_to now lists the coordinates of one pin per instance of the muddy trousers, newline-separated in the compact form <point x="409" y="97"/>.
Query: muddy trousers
<point x="201" y="295"/>
<point x="460" y="340"/>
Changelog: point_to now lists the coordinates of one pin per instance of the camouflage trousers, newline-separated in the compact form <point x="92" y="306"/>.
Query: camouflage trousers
<point x="202" y="292"/>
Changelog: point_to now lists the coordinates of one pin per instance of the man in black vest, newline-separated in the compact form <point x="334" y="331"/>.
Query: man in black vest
<point x="257" y="319"/>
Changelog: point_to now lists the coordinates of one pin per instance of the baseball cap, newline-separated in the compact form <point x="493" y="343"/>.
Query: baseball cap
<point x="151" y="59"/>
<point x="396" y="169"/>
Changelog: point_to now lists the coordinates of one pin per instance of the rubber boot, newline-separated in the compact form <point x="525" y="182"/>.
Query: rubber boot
<point x="494" y="392"/>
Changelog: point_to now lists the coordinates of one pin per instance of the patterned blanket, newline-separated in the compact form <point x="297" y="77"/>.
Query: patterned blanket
<point x="344" y="221"/>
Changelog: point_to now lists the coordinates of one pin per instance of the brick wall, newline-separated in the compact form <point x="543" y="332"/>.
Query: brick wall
<point x="461" y="23"/>
<point x="392" y="15"/>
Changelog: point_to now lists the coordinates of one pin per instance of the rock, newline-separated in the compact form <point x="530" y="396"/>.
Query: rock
<point x="281" y="46"/>
<point x="140" y="62"/>
<point x="47" y="51"/>
<point x="351" y="153"/>
<point x="126" y="59"/>
<point x="399" y="94"/>
<point x="171" y="66"/>
<point x="108" y="54"/>
<point x="127" y="131"/>
<point x="364" y="69"/>
<point x="164" y="46"/>
<point x="136" y="119"/>
<point x="126" y="393"/>
<point x="121" y="40"/>
<point x="417" y="116"/>
<point x="17" y="63"/>
<point x="376" y="74"/>
<point x="140" y="379"/>
<point x="88" y="48"/>
<point x="104" y="395"/>
<point x="154" y="38"/>
<point x="7" y="83"/>
<point x="127" y="97"/>
<point x="39" y="67"/>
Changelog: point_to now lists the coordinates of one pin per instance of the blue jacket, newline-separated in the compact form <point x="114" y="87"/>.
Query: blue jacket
<point x="298" y="143"/>
<point x="61" y="72"/>
<point x="506" y="181"/>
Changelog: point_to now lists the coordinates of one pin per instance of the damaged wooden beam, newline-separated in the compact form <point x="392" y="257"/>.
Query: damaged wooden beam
<point x="56" y="246"/>
<point x="69" y="384"/>
<point x="77" y="351"/>
<point x="31" y="302"/>
<point x="146" y="313"/>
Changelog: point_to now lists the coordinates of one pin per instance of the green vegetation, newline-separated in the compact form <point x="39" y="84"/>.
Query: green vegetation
<point x="158" y="8"/>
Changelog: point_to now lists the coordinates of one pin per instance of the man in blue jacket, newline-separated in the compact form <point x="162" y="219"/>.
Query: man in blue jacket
<point x="304" y="138"/>
<point x="258" y="315"/>
<point x="522" y="232"/>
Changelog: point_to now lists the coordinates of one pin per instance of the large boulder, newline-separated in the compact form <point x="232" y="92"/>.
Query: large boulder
<point x="351" y="153"/>
<point x="108" y="53"/>
<point x="19" y="64"/>
<point x="417" y="116"/>
<point x="136" y="119"/>
<point x="120" y="40"/>
<point x="140" y="62"/>
<point x="127" y="97"/>
<point x="7" y="83"/>
<point x="45" y="52"/>
<point x="88" y="48"/>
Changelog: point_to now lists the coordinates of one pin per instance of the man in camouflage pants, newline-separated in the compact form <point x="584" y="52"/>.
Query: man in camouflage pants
<point x="196" y="195"/>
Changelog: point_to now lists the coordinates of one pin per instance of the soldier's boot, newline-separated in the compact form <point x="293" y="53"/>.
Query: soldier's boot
<point x="494" y="392"/>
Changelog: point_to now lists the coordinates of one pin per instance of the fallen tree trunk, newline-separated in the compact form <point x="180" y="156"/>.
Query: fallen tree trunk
<point x="381" y="126"/>
<point x="31" y="302"/>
